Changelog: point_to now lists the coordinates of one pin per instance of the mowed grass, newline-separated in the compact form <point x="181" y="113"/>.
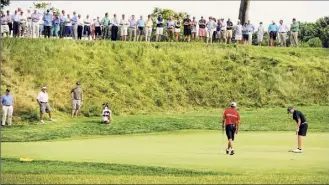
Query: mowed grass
<point x="176" y="157"/>
<point x="267" y="119"/>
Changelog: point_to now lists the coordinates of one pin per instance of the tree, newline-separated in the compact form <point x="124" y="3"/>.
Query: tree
<point x="4" y="3"/>
<point x="44" y="6"/>
<point x="166" y="13"/>
<point x="244" y="11"/>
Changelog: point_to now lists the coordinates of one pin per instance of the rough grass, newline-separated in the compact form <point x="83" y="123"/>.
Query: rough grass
<point x="270" y="119"/>
<point x="150" y="77"/>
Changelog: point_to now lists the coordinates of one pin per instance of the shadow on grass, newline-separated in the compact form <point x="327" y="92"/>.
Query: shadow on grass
<point x="14" y="166"/>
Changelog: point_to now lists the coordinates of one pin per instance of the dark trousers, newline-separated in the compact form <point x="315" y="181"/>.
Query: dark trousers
<point x="10" y="25"/>
<point x="47" y="31"/>
<point x="114" y="31"/>
<point x="62" y="30"/>
<point x="98" y="31"/>
<point x="80" y="28"/>
<point x="16" y="29"/>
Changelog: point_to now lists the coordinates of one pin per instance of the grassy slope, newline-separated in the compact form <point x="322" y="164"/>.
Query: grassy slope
<point x="271" y="119"/>
<point x="196" y="157"/>
<point x="150" y="77"/>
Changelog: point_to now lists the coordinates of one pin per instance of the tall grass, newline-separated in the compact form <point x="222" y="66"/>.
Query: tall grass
<point x="150" y="77"/>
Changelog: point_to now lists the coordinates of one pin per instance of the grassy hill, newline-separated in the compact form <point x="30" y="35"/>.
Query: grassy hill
<point x="152" y="77"/>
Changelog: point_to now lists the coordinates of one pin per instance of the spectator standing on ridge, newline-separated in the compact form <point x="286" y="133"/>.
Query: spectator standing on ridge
<point x="42" y="100"/>
<point x="106" y="26"/>
<point x="170" y="28"/>
<point x="140" y="27"/>
<point x="35" y="24"/>
<point x="177" y="28"/>
<point x="238" y="32"/>
<point x="56" y="26"/>
<point x="260" y="34"/>
<point x="223" y="29"/>
<point x="10" y="22"/>
<point x="98" y="30"/>
<point x="87" y="28"/>
<point x="210" y="29"/>
<point x="148" y="28"/>
<point x="273" y="29"/>
<point x="187" y="28"/>
<point x="7" y="102"/>
<point x="68" y="26"/>
<point x="283" y="30"/>
<point x="132" y="28"/>
<point x="159" y="28"/>
<point x="16" y="24"/>
<point x="194" y="25"/>
<point x="74" y="26"/>
<point x="115" y="28"/>
<point x="77" y="99"/>
<point x="229" y="31"/>
<point x="28" y="24"/>
<point x="4" y="25"/>
<point x="231" y="123"/>
<point x="62" y="26"/>
<point x="245" y="33"/>
<point x="47" y="22"/>
<point x="251" y="29"/>
<point x="202" y="28"/>
<point x="124" y="28"/>
<point x="294" y="28"/>
<point x="80" y="27"/>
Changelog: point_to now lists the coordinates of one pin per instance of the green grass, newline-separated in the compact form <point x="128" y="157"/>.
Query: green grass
<point x="270" y="119"/>
<point x="139" y="78"/>
<point x="177" y="157"/>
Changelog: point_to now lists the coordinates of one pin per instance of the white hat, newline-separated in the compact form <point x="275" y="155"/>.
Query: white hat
<point x="233" y="104"/>
<point x="44" y="87"/>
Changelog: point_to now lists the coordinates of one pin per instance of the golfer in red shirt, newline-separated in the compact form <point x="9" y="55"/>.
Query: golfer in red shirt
<point x="231" y="122"/>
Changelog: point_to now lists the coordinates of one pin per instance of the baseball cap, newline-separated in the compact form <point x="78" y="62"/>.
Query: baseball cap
<point x="78" y="83"/>
<point x="289" y="108"/>
<point x="44" y="87"/>
<point x="7" y="90"/>
<point x="233" y="104"/>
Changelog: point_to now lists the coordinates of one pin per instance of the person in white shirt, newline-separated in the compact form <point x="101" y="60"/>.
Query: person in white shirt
<point x="16" y="24"/>
<point x="223" y="29"/>
<point x="29" y="23"/>
<point x="80" y="27"/>
<point x="68" y="26"/>
<point x="178" y="24"/>
<point x="87" y="28"/>
<point x="106" y="114"/>
<point x="42" y="100"/>
<point x="283" y="29"/>
<point x="132" y="28"/>
<point x="114" y="28"/>
<point x="238" y="32"/>
<point x="35" y="16"/>
<point x="260" y="34"/>
<point x="22" y="25"/>
<point x="124" y="28"/>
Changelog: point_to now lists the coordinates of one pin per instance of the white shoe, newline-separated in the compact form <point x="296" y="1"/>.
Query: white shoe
<point x="42" y="122"/>
<point x="51" y="119"/>
<point x="297" y="151"/>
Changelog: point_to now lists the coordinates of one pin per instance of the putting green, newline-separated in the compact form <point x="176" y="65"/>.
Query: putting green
<point x="266" y="152"/>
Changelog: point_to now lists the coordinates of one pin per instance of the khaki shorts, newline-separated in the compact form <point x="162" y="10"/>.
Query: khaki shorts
<point x="229" y="33"/>
<point x="76" y="104"/>
<point x="44" y="107"/>
<point x="223" y="34"/>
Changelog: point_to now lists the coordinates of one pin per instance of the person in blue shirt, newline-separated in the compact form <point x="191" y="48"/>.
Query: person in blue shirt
<point x="47" y="22"/>
<point x="75" y="26"/>
<point x="140" y="28"/>
<point x="7" y="102"/>
<point x="56" y="26"/>
<point x="273" y="30"/>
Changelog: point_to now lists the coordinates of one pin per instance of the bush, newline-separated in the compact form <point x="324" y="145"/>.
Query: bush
<point x="315" y="42"/>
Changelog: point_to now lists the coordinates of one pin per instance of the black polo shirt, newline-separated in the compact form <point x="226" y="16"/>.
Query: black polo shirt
<point x="299" y="115"/>
<point x="187" y="26"/>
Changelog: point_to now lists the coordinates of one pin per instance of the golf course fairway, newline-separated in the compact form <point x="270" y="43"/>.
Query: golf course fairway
<point x="261" y="157"/>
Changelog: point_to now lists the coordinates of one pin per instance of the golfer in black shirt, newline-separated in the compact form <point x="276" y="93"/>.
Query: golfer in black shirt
<point x="301" y="129"/>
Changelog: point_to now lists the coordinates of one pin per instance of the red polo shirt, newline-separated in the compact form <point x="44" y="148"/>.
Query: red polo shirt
<point x="231" y="116"/>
